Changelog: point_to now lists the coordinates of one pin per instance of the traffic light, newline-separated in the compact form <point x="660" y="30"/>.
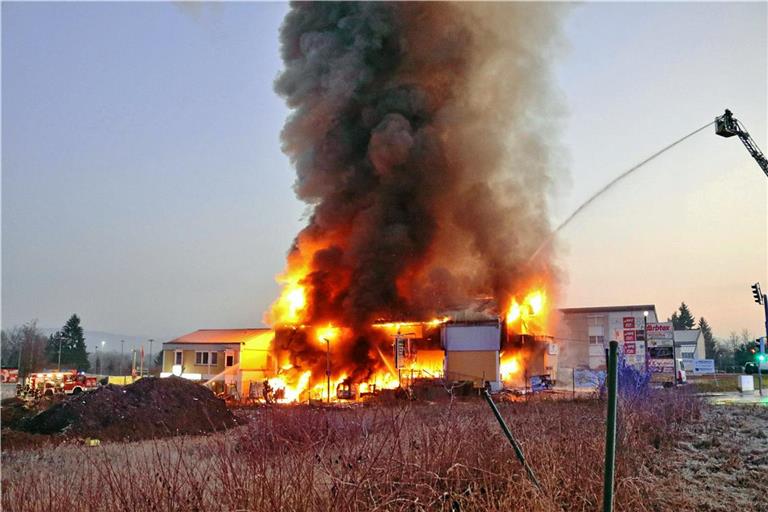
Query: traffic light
<point x="757" y="293"/>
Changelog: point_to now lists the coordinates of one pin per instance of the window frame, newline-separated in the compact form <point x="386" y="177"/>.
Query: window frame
<point x="178" y="357"/>
<point x="202" y="357"/>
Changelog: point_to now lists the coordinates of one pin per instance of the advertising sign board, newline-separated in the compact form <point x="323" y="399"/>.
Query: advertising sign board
<point x="662" y="365"/>
<point x="630" y="348"/>
<point x="703" y="366"/>
<point x="629" y="322"/>
<point x="399" y="352"/>
<point x="629" y="335"/>
<point x="661" y="331"/>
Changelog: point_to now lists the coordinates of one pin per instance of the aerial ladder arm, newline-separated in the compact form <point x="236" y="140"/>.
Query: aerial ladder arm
<point x="727" y="126"/>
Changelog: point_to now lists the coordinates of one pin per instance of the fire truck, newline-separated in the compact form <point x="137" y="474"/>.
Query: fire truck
<point x="50" y="383"/>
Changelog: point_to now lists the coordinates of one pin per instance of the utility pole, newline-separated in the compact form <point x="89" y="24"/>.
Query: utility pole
<point x="151" y="362"/>
<point x="122" y="366"/>
<point x="59" y="365"/>
<point x="20" y="377"/>
<point x="328" y="366"/>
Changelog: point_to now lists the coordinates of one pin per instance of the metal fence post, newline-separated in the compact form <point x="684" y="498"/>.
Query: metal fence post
<point x="610" y="430"/>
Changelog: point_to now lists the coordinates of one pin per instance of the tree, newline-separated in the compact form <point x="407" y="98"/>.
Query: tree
<point x="743" y="354"/>
<point x="159" y="360"/>
<point x="727" y="349"/>
<point x="24" y="346"/>
<point x="710" y="345"/>
<point x="682" y="318"/>
<point x="69" y="343"/>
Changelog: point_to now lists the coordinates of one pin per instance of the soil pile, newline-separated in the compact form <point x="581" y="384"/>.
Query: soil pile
<point x="149" y="408"/>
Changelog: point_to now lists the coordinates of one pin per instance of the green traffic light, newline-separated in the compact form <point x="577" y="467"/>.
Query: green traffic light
<point x="761" y="357"/>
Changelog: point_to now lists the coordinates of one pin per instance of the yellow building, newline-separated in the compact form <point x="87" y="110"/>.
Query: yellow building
<point x="225" y="359"/>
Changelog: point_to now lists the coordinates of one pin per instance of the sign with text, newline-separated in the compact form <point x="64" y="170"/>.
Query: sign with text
<point x="629" y="335"/>
<point x="660" y="343"/>
<point x="662" y="365"/>
<point x="661" y="331"/>
<point x="640" y="335"/>
<point x="629" y="322"/>
<point x="630" y="348"/>
<point x="660" y="352"/>
<point x="703" y="366"/>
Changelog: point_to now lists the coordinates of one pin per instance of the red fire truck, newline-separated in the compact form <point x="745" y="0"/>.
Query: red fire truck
<point x="69" y="382"/>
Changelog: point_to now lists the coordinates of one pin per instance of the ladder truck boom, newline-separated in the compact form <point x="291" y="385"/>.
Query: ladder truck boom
<point x="727" y="126"/>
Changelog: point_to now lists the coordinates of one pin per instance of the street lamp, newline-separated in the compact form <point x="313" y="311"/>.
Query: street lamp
<point x="645" y="338"/>
<point x="328" y="366"/>
<point x="60" y="338"/>
<point x="101" y="359"/>
<point x="150" y="354"/>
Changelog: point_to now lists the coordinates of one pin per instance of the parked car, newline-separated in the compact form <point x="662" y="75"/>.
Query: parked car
<point x="751" y="368"/>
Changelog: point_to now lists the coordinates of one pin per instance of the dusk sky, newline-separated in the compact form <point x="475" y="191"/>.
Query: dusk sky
<point x="143" y="185"/>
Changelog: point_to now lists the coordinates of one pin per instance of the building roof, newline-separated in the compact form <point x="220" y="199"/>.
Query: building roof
<point x="609" y="309"/>
<point x="219" y="336"/>
<point x="688" y="336"/>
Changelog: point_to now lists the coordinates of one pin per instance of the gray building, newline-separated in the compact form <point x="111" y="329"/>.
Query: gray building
<point x="689" y="344"/>
<point x="584" y="333"/>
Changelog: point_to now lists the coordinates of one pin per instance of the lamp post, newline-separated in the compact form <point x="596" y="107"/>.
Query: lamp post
<point x="645" y="338"/>
<point x="59" y="364"/>
<point x="328" y="366"/>
<point x="101" y="362"/>
<point x="150" y="355"/>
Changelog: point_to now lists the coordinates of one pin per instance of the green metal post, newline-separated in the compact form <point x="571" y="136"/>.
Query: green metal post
<point x="518" y="449"/>
<point x="610" y="430"/>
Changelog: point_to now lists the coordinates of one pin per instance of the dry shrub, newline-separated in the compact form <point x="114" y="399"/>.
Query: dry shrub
<point x="412" y="456"/>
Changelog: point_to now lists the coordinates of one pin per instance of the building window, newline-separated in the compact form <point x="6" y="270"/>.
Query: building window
<point x="230" y="360"/>
<point x="178" y="357"/>
<point x="595" y="321"/>
<point x="597" y="340"/>
<point x="206" y="358"/>
<point x="201" y="358"/>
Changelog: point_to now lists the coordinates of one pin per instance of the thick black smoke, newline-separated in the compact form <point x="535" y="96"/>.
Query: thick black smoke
<point x="418" y="136"/>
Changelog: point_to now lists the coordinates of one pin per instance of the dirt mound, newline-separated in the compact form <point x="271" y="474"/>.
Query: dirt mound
<point x="149" y="408"/>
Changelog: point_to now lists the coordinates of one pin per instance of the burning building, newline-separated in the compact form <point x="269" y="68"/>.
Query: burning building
<point x="419" y="136"/>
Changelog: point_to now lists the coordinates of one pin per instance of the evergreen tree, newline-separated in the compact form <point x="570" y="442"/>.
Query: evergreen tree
<point x="682" y="318"/>
<point x="70" y="342"/>
<point x="710" y="346"/>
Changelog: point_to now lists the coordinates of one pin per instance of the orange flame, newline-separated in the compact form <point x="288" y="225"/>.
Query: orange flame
<point x="510" y="366"/>
<point x="530" y="314"/>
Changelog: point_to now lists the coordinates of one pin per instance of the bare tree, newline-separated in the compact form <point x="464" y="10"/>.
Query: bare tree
<point x="24" y="347"/>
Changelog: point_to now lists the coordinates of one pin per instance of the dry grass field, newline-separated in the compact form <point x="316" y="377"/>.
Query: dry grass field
<point x="412" y="456"/>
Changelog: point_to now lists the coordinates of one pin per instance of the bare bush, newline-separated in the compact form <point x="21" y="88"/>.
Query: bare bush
<point x="410" y="456"/>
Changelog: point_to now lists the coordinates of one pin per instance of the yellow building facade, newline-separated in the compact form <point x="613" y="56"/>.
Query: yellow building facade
<point x="224" y="359"/>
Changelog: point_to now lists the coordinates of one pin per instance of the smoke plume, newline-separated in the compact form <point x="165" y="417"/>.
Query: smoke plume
<point x="420" y="137"/>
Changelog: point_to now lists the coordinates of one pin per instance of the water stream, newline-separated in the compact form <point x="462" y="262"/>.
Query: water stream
<point x="608" y="187"/>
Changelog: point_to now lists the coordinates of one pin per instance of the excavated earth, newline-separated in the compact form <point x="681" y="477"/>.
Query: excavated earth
<point x="149" y="408"/>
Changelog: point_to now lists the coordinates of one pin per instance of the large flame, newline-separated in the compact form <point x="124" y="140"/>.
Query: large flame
<point x="529" y="315"/>
<point x="510" y="366"/>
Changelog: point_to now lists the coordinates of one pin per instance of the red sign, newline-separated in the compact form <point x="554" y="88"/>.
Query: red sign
<point x="630" y="349"/>
<point x="9" y="375"/>
<point x="629" y="335"/>
<point x="629" y="322"/>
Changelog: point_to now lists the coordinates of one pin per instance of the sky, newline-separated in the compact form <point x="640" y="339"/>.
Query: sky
<point x="143" y="185"/>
